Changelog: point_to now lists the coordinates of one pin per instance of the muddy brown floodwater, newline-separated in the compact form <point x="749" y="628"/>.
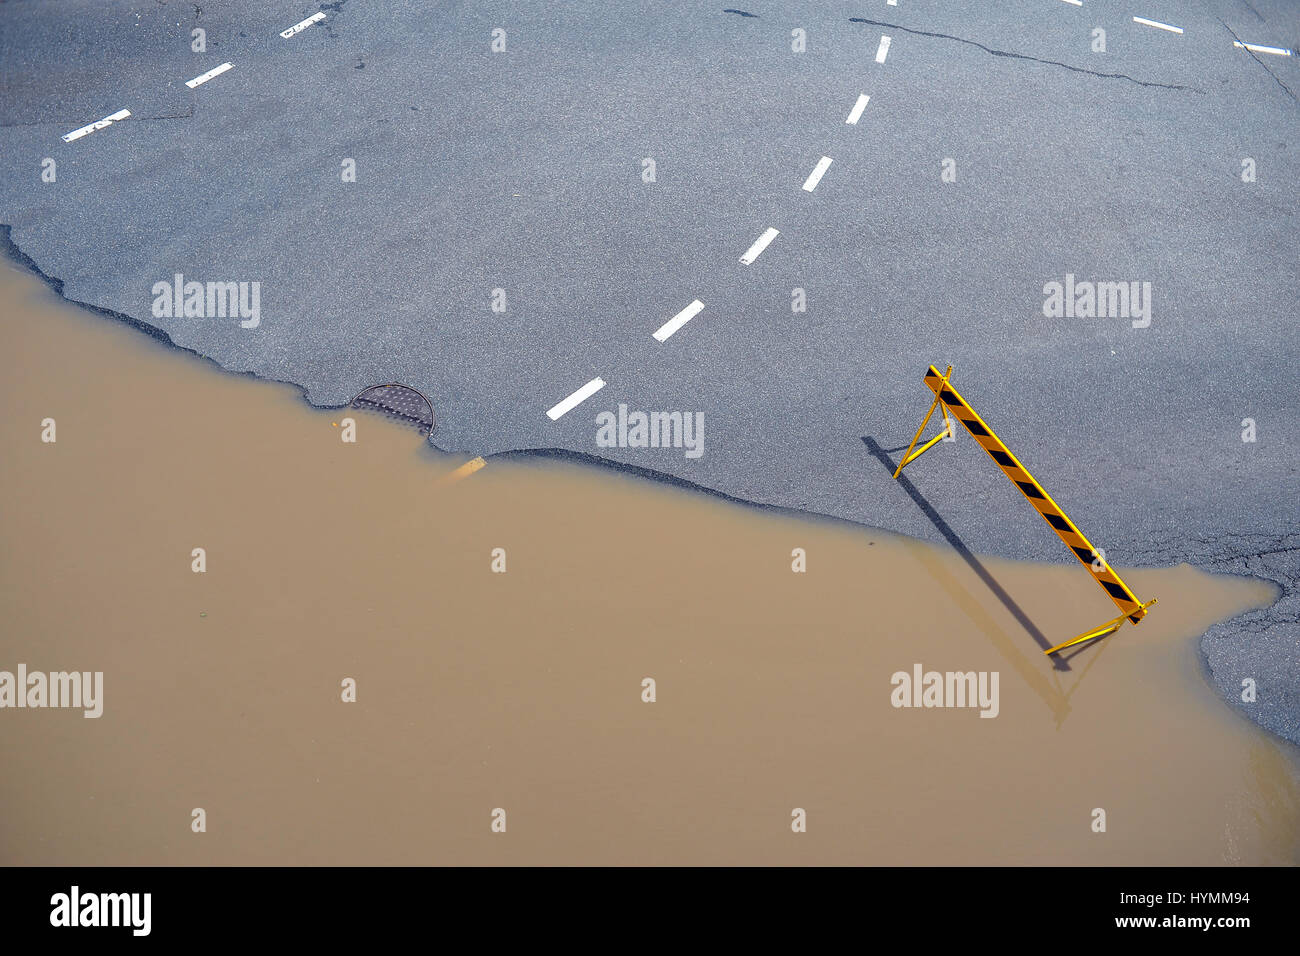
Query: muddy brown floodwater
<point x="522" y="691"/>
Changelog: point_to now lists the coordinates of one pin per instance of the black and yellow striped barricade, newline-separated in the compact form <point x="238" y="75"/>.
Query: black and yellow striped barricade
<point x="947" y="399"/>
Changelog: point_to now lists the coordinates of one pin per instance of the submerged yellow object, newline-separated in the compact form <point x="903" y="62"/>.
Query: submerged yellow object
<point x="464" y="471"/>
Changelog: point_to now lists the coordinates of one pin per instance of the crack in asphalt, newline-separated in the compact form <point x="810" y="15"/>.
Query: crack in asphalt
<point x="1247" y="5"/>
<point x="1035" y="59"/>
<point x="1257" y="59"/>
<point x="189" y="113"/>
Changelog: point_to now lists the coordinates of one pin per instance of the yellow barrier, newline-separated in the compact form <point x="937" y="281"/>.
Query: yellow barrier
<point x="945" y="398"/>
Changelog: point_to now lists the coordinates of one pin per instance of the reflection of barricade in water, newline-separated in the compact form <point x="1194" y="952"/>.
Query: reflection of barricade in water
<point x="400" y="402"/>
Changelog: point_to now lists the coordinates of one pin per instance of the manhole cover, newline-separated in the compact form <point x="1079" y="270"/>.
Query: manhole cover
<point x="399" y="402"/>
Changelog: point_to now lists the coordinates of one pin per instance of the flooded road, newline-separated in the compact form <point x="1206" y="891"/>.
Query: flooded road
<point x="503" y="634"/>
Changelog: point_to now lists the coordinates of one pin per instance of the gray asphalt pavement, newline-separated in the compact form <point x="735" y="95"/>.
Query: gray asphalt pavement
<point x="522" y="171"/>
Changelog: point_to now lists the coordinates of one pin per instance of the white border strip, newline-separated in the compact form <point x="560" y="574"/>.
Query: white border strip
<point x="855" y="114"/>
<point x="759" y="245"/>
<point x="576" y="399"/>
<point x="98" y="124"/>
<point x="1157" y="24"/>
<point x="816" y="175"/>
<point x="678" y="320"/>
<point x="1256" y="48"/>
<point x="299" y="27"/>
<point x="215" y="71"/>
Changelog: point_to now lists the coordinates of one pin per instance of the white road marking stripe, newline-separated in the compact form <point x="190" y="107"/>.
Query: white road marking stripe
<point x="98" y="124"/>
<point x="576" y="399"/>
<point x="1256" y="48"/>
<point x="216" y="71"/>
<point x="816" y="175"/>
<point x="892" y="3"/>
<point x="856" y="113"/>
<point x="759" y="245"/>
<point x="1077" y="3"/>
<point x="678" y="320"/>
<point x="1157" y="24"/>
<point x="883" y="50"/>
<point x="299" y="27"/>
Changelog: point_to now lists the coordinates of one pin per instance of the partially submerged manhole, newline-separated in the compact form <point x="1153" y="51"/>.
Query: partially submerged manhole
<point x="399" y="402"/>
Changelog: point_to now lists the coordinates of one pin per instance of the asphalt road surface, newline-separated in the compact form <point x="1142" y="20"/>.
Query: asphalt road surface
<point x="504" y="242"/>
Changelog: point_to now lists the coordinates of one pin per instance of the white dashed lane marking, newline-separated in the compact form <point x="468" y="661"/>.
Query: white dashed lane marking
<point x="761" y="243"/>
<point x="685" y="315"/>
<point x="215" y="71"/>
<point x="856" y="113"/>
<point x="816" y="175"/>
<point x="576" y="399"/>
<point x="678" y="320"/>
<point x="1256" y="48"/>
<point x="98" y="124"/>
<point x="1157" y="24"/>
<point x="299" y="27"/>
